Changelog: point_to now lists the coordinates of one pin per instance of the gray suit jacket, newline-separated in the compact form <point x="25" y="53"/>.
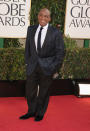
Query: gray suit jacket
<point x="52" y="53"/>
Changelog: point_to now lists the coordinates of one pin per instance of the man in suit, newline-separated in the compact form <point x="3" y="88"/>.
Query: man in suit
<point x="44" y="53"/>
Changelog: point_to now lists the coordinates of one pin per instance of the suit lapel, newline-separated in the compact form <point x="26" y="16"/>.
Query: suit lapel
<point x="47" y="36"/>
<point x="33" y="36"/>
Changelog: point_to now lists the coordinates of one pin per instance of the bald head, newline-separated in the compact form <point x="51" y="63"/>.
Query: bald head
<point x="44" y="16"/>
<point x="45" y="10"/>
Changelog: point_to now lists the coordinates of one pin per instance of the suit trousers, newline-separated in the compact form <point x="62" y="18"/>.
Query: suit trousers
<point x="37" y="100"/>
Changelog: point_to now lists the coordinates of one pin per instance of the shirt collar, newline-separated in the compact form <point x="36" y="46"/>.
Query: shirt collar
<point x="44" y="27"/>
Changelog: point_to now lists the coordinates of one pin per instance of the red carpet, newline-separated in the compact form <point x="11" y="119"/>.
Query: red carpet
<point x="65" y="113"/>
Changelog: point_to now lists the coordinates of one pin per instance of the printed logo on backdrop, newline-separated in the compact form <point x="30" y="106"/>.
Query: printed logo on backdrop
<point x="77" y="19"/>
<point x="14" y="18"/>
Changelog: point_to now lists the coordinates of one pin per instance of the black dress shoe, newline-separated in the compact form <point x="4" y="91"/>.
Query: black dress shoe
<point x="26" y="116"/>
<point x="38" y="118"/>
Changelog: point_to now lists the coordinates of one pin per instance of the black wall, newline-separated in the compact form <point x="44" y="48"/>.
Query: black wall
<point x="17" y="88"/>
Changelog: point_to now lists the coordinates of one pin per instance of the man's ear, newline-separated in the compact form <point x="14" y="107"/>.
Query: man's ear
<point x="49" y="19"/>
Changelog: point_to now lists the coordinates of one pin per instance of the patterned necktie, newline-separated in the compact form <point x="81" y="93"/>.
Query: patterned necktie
<point x="39" y="41"/>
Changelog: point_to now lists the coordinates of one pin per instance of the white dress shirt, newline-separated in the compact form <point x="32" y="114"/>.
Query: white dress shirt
<point x="43" y="34"/>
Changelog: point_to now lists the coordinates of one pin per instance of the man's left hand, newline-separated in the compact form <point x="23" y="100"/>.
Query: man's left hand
<point x="55" y="76"/>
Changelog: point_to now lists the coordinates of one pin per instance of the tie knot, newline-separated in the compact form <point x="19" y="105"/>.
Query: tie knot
<point x="41" y="28"/>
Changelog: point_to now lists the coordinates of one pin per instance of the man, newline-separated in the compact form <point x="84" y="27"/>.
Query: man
<point x="44" y="54"/>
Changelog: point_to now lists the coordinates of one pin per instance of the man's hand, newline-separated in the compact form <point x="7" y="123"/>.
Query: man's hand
<point x="55" y="75"/>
